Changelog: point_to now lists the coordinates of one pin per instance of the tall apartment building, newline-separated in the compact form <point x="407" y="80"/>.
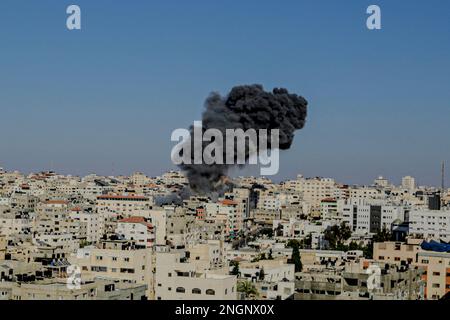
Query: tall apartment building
<point x="207" y="256"/>
<point x="366" y="217"/>
<point x="174" y="177"/>
<point x="232" y="214"/>
<point x="92" y="221"/>
<point x="51" y="215"/>
<point x="409" y="183"/>
<point x="111" y="206"/>
<point x="242" y="197"/>
<point x="313" y="190"/>
<point x="228" y="213"/>
<point x="365" y="193"/>
<point x="381" y="182"/>
<point x="119" y="260"/>
<point x="15" y="222"/>
<point x="276" y="200"/>
<point x="139" y="179"/>
<point x="434" y="224"/>
<point x="23" y="201"/>
<point x="269" y="200"/>
<point x="329" y="209"/>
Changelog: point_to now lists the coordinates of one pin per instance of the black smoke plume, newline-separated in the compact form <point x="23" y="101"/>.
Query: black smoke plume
<point x="246" y="107"/>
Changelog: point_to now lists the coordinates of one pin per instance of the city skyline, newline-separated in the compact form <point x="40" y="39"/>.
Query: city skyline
<point x="106" y="98"/>
<point x="234" y="176"/>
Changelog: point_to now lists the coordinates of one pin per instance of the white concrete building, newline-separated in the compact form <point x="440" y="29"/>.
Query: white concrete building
<point x="433" y="224"/>
<point x="178" y="279"/>
<point x="118" y="260"/>
<point x="122" y="205"/>
<point x="137" y="229"/>
<point x="370" y="216"/>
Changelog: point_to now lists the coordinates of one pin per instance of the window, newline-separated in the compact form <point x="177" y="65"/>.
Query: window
<point x="196" y="291"/>
<point x="210" y="292"/>
<point x="181" y="290"/>
<point x="98" y="269"/>
<point x="436" y="273"/>
<point x="436" y="285"/>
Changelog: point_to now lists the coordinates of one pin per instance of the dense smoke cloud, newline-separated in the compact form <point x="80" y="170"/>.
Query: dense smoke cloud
<point x="246" y="107"/>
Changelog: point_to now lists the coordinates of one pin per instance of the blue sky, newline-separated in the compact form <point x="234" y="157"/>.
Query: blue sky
<point x="108" y="97"/>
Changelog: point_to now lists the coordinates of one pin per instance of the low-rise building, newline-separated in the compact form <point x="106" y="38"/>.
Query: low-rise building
<point x="117" y="260"/>
<point x="178" y="278"/>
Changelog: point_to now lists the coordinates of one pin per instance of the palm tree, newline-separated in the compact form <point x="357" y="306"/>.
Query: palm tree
<point x="247" y="288"/>
<point x="235" y="271"/>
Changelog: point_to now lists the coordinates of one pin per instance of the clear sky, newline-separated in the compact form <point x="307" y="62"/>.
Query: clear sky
<point x="106" y="99"/>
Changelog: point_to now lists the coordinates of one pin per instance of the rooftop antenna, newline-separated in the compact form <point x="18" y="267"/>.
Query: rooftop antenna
<point x="443" y="178"/>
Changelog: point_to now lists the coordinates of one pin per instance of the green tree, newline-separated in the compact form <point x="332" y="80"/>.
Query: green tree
<point x="293" y="242"/>
<point x="308" y="240"/>
<point x="353" y="246"/>
<point x="337" y="234"/>
<point x="368" y="250"/>
<point x="247" y="288"/>
<point x="382" y="235"/>
<point x="235" y="271"/>
<point x="296" y="260"/>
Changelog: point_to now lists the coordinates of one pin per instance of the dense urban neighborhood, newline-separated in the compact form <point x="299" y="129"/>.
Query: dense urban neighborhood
<point x="144" y="238"/>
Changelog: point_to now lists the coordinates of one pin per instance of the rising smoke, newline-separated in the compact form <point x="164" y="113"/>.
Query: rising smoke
<point x="246" y="107"/>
